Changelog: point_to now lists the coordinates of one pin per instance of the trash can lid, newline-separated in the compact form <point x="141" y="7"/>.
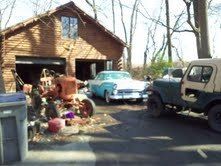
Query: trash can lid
<point x="12" y="97"/>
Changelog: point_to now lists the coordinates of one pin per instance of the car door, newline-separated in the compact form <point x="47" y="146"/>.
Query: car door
<point x="198" y="79"/>
<point x="95" y="84"/>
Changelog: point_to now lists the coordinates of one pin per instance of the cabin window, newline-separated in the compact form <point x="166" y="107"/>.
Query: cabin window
<point x="200" y="74"/>
<point x="69" y="27"/>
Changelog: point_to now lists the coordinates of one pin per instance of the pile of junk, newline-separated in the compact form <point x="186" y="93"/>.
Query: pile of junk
<point x="55" y="99"/>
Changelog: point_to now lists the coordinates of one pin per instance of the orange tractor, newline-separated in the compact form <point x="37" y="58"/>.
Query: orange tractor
<point x="58" y="93"/>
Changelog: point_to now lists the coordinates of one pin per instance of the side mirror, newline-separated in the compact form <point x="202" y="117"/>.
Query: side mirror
<point x="177" y="73"/>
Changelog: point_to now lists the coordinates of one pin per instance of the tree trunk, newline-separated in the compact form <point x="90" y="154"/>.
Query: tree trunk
<point x="95" y="10"/>
<point x="201" y="22"/>
<point x="204" y="34"/>
<point x="113" y="14"/>
<point x="93" y="6"/>
<point x="129" y="55"/>
<point x="132" y="28"/>
<point x="196" y="19"/>
<point x="168" y="31"/>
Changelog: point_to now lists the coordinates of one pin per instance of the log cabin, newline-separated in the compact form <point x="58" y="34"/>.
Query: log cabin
<point x="65" y="39"/>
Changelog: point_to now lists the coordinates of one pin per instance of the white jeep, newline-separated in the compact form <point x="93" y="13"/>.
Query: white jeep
<point x="199" y="90"/>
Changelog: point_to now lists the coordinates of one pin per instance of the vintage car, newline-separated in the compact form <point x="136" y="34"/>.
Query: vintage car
<point x="116" y="85"/>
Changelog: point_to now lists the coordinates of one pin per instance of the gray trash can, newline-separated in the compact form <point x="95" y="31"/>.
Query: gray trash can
<point x="13" y="128"/>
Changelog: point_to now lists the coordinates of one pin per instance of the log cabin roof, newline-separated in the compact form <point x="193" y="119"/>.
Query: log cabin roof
<point x="69" y="5"/>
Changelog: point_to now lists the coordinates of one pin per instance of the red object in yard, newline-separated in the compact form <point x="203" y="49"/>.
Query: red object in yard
<point x="56" y="124"/>
<point x="67" y="87"/>
<point x="27" y="88"/>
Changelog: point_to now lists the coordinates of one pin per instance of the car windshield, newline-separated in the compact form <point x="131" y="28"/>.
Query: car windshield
<point x="117" y="76"/>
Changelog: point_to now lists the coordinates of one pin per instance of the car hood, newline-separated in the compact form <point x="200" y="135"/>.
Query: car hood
<point x="130" y="84"/>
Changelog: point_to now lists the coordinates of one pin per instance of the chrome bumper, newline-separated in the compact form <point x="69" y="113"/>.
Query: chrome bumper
<point x="136" y="95"/>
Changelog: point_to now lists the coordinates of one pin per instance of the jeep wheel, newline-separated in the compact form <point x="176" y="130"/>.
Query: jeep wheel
<point x="155" y="105"/>
<point x="107" y="96"/>
<point x="214" y="118"/>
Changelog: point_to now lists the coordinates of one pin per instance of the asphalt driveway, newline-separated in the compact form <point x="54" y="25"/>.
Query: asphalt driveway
<point x="124" y="133"/>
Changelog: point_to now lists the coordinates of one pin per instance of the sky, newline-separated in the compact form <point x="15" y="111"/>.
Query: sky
<point x="185" y="42"/>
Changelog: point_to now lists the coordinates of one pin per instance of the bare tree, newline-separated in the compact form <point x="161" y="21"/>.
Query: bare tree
<point x="132" y="28"/>
<point x="41" y="6"/>
<point x="200" y="29"/>
<point x="113" y="14"/>
<point x="151" y="37"/>
<point x="168" y="31"/>
<point x="93" y="6"/>
<point x="158" y="51"/>
<point x="6" y="11"/>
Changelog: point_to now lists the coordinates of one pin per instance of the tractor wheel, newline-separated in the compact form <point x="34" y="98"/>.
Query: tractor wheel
<point x="214" y="118"/>
<point x="155" y="105"/>
<point x="88" y="108"/>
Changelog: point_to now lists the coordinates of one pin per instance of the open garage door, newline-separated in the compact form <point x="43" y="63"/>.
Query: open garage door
<point x="87" y="69"/>
<point x="29" y="68"/>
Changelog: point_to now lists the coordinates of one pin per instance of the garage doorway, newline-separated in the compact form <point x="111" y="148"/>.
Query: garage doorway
<point x="30" y="68"/>
<point x="87" y="69"/>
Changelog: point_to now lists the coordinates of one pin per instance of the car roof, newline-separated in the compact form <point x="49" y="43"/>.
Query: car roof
<point x="216" y="61"/>
<point x="111" y="71"/>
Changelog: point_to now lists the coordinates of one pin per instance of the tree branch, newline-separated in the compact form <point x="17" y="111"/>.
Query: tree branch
<point x="188" y="5"/>
<point x="10" y="13"/>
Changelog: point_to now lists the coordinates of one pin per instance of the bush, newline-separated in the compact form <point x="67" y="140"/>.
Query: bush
<point x="156" y="69"/>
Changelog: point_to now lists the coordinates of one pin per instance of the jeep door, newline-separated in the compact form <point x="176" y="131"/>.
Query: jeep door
<point x="198" y="79"/>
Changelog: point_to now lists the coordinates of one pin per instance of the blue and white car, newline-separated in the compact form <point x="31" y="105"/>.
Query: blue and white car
<point x="116" y="85"/>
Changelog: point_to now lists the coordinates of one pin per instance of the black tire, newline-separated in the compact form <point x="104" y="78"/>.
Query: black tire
<point x="139" y="100"/>
<point x="155" y="105"/>
<point x="51" y="111"/>
<point x="107" y="96"/>
<point x="88" y="108"/>
<point x="214" y="118"/>
<point x="30" y="134"/>
<point x="178" y="108"/>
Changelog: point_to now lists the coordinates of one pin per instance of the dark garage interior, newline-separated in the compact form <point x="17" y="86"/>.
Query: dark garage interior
<point x="29" y="68"/>
<point x="87" y="69"/>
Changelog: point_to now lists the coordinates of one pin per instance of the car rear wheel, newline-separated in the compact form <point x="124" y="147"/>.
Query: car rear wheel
<point x="214" y="118"/>
<point x="155" y="105"/>
<point x="107" y="96"/>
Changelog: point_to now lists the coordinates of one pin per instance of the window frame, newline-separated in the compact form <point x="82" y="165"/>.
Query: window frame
<point x="70" y="27"/>
<point x="201" y="74"/>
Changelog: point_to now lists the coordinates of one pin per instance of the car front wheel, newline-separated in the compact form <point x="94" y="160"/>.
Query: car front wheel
<point x="107" y="96"/>
<point x="214" y="118"/>
<point x="155" y="105"/>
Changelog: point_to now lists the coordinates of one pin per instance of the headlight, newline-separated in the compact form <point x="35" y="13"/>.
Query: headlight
<point x="115" y="92"/>
<point x="115" y="86"/>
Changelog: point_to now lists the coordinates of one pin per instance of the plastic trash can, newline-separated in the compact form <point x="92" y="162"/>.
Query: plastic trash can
<point x="13" y="128"/>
